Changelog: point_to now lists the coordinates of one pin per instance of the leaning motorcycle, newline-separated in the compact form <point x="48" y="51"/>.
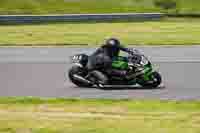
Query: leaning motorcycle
<point x="139" y="68"/>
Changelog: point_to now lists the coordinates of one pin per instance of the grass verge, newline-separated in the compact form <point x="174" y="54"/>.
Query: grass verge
<point x="36" y="115"/>
<point x="166" y="32"/>
<point x="90" y="6"/>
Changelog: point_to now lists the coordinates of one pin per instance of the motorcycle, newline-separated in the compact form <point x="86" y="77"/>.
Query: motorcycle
<point x="139" y="68"/>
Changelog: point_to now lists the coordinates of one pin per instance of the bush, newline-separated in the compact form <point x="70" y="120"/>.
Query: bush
<point x="166" y="4"/>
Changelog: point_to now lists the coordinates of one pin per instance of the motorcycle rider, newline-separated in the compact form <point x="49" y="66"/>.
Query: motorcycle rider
<point x="101" y="60"/>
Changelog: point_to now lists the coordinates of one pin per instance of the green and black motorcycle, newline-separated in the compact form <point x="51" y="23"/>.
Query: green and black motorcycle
<point x="140" y="72"/>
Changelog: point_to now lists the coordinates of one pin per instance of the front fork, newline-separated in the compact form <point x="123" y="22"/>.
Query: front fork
<point x="146" y="73"/>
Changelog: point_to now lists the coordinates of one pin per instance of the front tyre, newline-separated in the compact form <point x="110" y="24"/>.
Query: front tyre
<point x="155" y="81"/>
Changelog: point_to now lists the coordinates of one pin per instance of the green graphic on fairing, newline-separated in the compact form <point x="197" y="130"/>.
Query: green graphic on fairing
<point x="120" y="63"/>
<point x="147" y="72"/>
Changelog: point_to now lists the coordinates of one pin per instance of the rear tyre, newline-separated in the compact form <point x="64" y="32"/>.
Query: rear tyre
<point x="79" y="71"/>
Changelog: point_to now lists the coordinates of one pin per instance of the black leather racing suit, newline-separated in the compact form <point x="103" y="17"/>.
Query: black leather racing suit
<point x="101" y="60"/>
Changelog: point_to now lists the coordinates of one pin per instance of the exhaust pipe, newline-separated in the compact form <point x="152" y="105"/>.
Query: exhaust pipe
<point x="81" y="79"/>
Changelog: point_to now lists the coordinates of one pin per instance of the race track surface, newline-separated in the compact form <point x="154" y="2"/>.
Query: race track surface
<point x="40" y="72"/>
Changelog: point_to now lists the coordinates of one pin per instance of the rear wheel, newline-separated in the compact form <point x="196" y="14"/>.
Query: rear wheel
<point x="155" y="81"/>
<point x="78" y="71"/>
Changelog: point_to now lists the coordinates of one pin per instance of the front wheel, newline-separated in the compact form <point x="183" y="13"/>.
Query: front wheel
<point x="155" y="81"/>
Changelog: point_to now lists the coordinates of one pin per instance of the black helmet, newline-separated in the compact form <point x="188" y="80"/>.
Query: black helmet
<point x="113" y="43"/>
<point x="113" y="46"/>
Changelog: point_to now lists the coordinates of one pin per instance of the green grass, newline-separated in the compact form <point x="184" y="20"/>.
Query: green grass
<point x="37" y="115"/>
<point x="89" y="6"/>
<point x="165" y="32"/>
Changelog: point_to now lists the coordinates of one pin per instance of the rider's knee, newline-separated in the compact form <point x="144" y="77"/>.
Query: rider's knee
<point x="100" y="77"/>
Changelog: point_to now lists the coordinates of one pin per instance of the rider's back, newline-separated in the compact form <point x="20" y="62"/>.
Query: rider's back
<point x="99" y="59"/>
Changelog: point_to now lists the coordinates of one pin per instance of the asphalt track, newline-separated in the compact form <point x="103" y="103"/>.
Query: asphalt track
<point x="40" y="72"/>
